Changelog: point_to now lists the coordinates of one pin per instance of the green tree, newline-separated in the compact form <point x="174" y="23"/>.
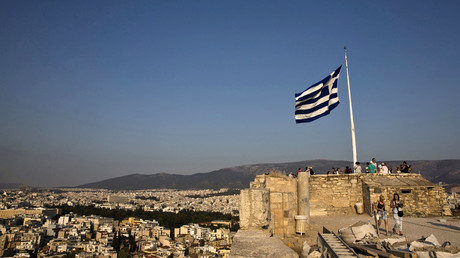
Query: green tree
<point x="132" y="242"/>
<point x="187" y="251"/>
<point x="116" y="241"/>
<point x="124" y="253"/>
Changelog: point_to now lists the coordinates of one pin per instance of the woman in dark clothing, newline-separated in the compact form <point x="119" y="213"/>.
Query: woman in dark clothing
<point x="380" y="207"/>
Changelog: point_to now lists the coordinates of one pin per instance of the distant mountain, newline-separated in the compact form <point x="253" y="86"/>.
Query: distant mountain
<point x="240" y="176"/>
<point x="10" y="185"/>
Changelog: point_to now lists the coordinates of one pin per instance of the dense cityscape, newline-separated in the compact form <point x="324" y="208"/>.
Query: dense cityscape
<point x="68" y="223"/>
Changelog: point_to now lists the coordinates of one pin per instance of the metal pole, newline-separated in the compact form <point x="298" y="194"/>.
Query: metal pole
<point x="353" y="138"/>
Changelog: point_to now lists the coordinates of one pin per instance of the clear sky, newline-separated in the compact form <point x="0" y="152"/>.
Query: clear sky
<point x="96" y="89"/>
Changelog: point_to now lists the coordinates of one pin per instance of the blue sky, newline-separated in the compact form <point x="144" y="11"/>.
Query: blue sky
<point x="96" y="89"/>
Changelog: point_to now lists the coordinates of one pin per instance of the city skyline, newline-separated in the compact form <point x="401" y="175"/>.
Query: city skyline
<point x="95" y="90"/>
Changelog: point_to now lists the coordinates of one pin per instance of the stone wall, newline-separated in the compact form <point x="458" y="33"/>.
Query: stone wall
<point x="255" y="209"/>
<point x="335" y="194"/>
<point x="338" y="194"/>
<point x="283" y="201"/>
<point x="420" y="196"/>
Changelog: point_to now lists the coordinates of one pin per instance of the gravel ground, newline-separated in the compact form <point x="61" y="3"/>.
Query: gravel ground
<point x="413" y="228"/>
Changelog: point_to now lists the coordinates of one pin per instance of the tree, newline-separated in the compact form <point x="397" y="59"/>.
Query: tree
<point x="187" y="251"/>
<point x="132" y="242"/>
<point x="116" y="241"/>
<point x="124" y="253"/>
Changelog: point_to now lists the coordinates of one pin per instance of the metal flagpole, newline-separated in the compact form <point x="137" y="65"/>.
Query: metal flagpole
<point x="353" y="138"/>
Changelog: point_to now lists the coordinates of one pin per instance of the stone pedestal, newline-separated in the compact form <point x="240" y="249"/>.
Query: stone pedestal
<point x="301" y="224"/>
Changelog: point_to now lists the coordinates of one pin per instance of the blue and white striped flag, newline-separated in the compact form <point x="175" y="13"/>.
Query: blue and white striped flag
<point x="318" y="100"/>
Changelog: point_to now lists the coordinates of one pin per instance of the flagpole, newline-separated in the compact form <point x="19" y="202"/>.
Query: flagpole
<point x="353" y="138"/>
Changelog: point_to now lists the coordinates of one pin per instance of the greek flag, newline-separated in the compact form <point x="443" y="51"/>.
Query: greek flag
<point x="318" y="100"/>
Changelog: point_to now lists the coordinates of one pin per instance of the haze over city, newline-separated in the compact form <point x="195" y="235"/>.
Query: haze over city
<point x="93" y="90"/>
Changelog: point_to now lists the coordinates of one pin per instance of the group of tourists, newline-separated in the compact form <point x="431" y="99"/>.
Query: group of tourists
<point x="338" y="171"/>
<point x="396" y="208"/>
<point x="371" y="167"/>
<point x="307" y="169"/>
<point x="382" y="168"/>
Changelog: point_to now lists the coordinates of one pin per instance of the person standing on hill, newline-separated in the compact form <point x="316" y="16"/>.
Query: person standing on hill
<point x="372" y="166"/>
<point x="380" y="207"/>
<point x="384" y="169"/>
<point x="357" y="168"/>
<point x="397" y="205"/>
<point x="405" y="168"/>
<point x="347" y="170"/>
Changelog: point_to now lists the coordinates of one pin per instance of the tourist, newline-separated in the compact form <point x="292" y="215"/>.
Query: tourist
<point x="398" y="169"/>
<point x="367" y="167"/>
<point x="383" y="169"/>
<point x="381" y="212"/>
<point x="357" y="168"/>
<point x="347" y="170"/>
<point x="404" y="168"/>
<point x="390" y="170"/>
<point x="373" y="162"/>
<point x="372" y="167"/>
<point x="397" y="205"/>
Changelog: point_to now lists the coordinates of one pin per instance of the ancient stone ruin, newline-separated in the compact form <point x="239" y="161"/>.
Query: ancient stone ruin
<point x="278" y="206"/>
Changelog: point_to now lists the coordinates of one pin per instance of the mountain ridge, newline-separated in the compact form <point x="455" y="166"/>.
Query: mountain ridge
<point x="447" y="170"/>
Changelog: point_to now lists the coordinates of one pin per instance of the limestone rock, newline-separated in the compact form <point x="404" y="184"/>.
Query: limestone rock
<point x="255" y="243"/>
<point x="305" y="249"/>
<point x="432" y="239"/>
<point x="446" y="211"/>
<point x="314" y="254"/>
<point x="419" y="245"/>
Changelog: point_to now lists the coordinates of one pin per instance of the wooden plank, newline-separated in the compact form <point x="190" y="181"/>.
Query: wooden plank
<point x="404" y="254"/>
<point x="372" y="251"/>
